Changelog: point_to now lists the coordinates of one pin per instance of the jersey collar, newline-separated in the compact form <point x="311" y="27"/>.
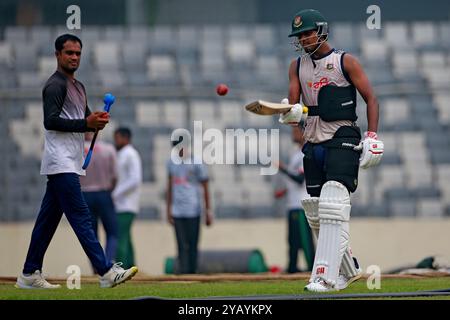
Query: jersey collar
<point x="326" y="54"/>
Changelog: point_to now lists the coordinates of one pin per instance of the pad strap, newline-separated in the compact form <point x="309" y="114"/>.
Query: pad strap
<point x="313" y="111"/>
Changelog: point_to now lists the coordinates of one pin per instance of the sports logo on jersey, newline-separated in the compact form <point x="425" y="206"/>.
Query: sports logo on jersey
<point x="298" y="21"/>
<point x="330" y="66"/>
<point x="319" y="84"/>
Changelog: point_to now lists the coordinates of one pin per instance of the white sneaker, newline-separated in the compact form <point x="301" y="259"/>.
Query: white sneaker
<point x="34" y="281"/>
<point x="319" y="285"/>
<point x="117" y="275"/>
<point x="344" y="281"/>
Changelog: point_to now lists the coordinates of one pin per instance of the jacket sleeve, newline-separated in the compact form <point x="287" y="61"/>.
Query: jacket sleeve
<point x="53" y="96"/>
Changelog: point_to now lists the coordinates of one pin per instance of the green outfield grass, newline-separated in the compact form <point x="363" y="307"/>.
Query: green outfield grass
<point x="135" y="289"/>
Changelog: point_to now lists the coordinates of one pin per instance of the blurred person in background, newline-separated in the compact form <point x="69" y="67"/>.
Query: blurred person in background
<point x="126" y="194"/>
<point x="186" y="181"/>
<point x="97" y="185"/>
<point x="299" y="232"/>
<point x="66" y="118"/>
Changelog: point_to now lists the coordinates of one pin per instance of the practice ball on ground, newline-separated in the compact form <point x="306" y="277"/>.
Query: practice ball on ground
<point x="222" y="89"/>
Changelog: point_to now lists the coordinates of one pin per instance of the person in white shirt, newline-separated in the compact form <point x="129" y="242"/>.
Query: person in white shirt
<point x="126" y="193"/>
<point x="187" y="198"/>
<point x="66" y="118"/>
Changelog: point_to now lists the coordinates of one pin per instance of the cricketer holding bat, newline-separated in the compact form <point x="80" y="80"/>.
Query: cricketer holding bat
<point x="66" y="118"/>
<point x="326" y="80"/>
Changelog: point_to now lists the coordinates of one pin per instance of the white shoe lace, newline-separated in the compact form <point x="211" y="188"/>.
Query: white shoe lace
<point x="117" y="267"/>
<point x="41" y="280"/>
<point x="323" y="282"/>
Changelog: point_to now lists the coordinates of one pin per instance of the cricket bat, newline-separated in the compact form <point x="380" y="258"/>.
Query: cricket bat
<point x="266" y="108"/>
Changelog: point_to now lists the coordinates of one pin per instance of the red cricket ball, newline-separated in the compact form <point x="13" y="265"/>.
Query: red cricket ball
<point x="222" y="89"/>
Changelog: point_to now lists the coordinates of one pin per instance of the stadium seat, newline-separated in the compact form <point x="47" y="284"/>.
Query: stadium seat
<point x="137" y="34"/>
<point x="15" y="34"/>
<point x="343" y="36"/>
<point x="444" y="32"/>
<point x="41" y="36"/>
<point x="134" y="55"/>
<point x="407" y="63"/>
<point x="47" y="66"/>
<point x="175" y="113"/>
<point x="107" y="56"/>
<point x="365" y="33"/>
<point x="427" y="208"/>
<point x="6" y="54"/>
<point x="264" y="38"/>
<point x="114" y="34"/>
<point x="163" y="37"/>
<point x="161" y="69"/>
<point x="424" y="35"/>
<point x="25" y="56"/>
<point x="149" y="113"/>
<point x="374" y="50"/>
<point x="401" y="202"/>
<point x="397" y="34"/>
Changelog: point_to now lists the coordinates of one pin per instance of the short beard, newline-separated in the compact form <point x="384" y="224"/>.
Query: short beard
<point x="310" y="48"/>
<point x="69" y="70"/>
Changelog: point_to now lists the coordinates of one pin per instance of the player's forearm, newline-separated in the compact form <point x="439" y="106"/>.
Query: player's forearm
<point x="169" y="197"/>
<point x="298" y="178"/>
<point x="294" y="94"/>
<point x="206" y="195"/>
<point x="372" y="115"/>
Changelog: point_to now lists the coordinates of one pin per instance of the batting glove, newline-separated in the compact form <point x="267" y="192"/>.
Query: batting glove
<point x="293" y="116"/>
<point x="371" y="150"/>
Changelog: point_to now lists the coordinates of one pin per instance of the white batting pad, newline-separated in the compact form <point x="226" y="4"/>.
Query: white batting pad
<point x="348" y="267"/>
<point x="311" y="207"/>
<point x="334" y="214"/>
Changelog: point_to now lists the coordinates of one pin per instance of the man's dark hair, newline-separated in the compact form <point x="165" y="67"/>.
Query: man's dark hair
<point x="124" y="132"/>
<point x="59" y="42"/>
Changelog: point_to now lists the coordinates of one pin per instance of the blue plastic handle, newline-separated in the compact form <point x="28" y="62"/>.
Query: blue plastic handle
<point x="108" y="100"/>
<point x="87" y="159"/>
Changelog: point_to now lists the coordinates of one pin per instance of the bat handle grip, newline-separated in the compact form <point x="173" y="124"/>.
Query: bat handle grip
<point x="91" y="149"/>
<point x="87" y="159"/>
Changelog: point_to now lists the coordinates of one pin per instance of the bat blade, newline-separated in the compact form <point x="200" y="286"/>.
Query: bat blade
<point x="266" y="108"/>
